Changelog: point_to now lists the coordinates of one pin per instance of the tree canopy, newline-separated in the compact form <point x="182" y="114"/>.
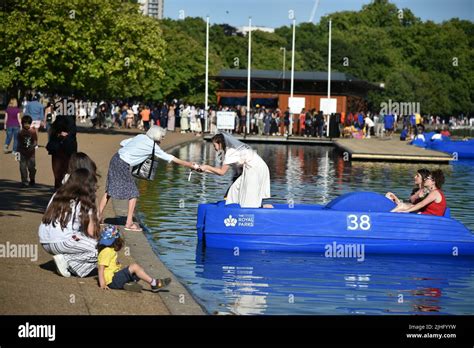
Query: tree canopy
<point x="101" y="48"/>
<point x="108" y="49"/>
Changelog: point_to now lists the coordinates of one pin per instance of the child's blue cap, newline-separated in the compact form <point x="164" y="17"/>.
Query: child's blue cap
<point x="109" y="234"/>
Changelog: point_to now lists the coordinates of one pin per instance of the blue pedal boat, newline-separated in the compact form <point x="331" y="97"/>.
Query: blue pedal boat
<point x="358" y="218"/>
<point x="459" y="149"/>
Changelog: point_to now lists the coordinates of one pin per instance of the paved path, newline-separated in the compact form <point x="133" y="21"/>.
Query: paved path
<point x="31" y="286"/>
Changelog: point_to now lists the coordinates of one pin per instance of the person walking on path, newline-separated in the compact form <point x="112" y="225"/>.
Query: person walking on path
<point x="379" y="125"/>
<point x="145" y="115"/>
<point x="120" y="182"/>
<point x="12" y="125"/>
<point x="36" y="110"/>
<point x="27" y="141"/>
<point x="61" y="146"/>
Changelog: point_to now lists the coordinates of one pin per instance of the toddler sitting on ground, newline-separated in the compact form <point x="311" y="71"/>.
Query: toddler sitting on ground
<point x="110" y="274"/>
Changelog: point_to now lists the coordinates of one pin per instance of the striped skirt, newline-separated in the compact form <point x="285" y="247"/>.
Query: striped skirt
<point x="80" y="255"/>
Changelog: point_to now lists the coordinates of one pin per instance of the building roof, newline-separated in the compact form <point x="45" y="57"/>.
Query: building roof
<point x="278" y="75"/>
<point x="309" y="82"/>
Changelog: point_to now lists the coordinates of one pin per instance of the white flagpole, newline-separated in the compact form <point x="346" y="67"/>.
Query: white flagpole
<point x="329" y="74"/>
<point x="248" y="74"/>
<point x="329" y="61"/>
<point x="206" y="93"/>
<point x="292" y="72"/>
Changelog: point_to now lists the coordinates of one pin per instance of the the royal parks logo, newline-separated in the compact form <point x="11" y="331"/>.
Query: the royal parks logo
<point x="242" y="220"/>
<point x="230" y="221"/>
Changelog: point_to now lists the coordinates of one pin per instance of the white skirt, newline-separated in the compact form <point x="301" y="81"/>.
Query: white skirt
<point x="252" y="186"/>
<point x="184" y="123"/>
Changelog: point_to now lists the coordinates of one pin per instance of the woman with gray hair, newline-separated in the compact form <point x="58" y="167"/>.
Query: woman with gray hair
<point x="120" y="182"/>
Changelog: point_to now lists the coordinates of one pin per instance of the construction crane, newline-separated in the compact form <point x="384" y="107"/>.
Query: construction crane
<point x="313" y="12"/>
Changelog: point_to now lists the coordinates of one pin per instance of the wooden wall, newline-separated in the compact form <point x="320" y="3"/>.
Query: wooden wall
<point x="312" y="101"/>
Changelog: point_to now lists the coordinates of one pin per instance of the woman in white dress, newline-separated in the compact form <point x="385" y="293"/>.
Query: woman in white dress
<point x="171" y="118"/>
<point x="253" y="185"/>
<point x="192" y="119"/>
<point x="198" y="127"/>
<point x="184" y="122"/>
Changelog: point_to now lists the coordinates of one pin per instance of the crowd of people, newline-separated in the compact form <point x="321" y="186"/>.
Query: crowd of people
<point x="185" y="117"/>
<point x="72" y="227"/>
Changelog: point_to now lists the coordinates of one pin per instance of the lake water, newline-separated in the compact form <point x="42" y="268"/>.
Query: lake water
<point x="263" y="282"/>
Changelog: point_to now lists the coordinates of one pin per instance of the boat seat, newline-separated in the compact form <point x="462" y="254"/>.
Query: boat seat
<point x="361" y="202"/>
<point x="447" y="213"/>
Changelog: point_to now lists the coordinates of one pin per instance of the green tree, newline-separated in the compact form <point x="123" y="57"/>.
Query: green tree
<point x="87" y="47"/>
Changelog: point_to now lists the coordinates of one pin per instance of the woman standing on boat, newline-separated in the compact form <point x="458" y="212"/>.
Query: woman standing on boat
<point x="253" y="185"/>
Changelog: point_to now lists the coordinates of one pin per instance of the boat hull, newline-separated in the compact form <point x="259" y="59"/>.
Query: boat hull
<point x="458" y="149"/>
<point x="319" y="229"/>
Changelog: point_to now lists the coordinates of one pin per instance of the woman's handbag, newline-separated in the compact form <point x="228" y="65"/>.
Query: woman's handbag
<point x="147" y="169"/>
<point x="53" y="146"/>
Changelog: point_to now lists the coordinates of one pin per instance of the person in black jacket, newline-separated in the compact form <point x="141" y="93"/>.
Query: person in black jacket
<point x="62" y="145"/>
<point x="318" y="122"/>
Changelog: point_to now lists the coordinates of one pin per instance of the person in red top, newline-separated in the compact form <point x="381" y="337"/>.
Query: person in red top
<point x="302" y="119"/>
<point x="435" y="202"/>
<point x="445" y="132"/>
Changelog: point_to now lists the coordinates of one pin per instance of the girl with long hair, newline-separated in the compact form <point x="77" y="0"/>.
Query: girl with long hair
<point x="418" y="193"/>
<point x="70" y="228"/>
<point x="435" y="202"/>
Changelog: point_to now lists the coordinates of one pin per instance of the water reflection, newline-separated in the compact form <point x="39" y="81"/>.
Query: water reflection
<point x="299" y="283"/>
<point x="243" y="290"/>
<point x="283" y="283"/>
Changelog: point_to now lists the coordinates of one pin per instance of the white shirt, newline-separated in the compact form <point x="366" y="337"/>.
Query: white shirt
<point x="420" y="136"/>
<point x="55" y="234"/>
<point x="369" y="122"/>
<point x="135" y="108"/>
<point x="137" y="149"/>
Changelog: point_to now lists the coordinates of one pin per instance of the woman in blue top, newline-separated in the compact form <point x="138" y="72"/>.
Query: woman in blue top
<point x="120" y="182"/>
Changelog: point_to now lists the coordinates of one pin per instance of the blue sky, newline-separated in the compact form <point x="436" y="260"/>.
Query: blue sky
<point x="274" y="13"/>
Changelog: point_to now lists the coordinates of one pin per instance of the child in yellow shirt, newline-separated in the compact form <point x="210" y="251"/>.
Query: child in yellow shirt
<point x="111" y="276"/>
